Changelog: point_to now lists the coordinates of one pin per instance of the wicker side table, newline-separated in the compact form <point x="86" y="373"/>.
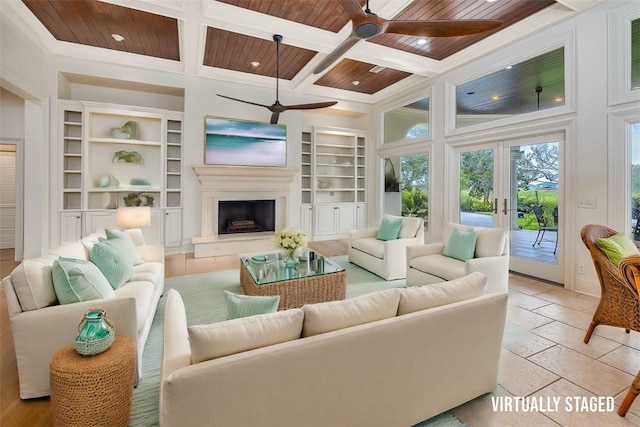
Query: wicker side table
<point x="93" y="390"/>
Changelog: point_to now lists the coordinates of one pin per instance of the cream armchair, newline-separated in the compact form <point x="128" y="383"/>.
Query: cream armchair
<point x="387" y="259"/>
<point x="426" y="264"/>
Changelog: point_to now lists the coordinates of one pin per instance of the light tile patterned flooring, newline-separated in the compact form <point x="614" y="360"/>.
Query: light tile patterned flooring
<point x="544" y="356"/>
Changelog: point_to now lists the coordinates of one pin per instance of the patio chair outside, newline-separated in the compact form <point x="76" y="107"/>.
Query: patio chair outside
<point x="544" y="226"/>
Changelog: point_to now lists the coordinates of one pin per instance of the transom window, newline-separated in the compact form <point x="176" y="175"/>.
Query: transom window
<point x="407" y="122"/>
<point x="532" y="85"/>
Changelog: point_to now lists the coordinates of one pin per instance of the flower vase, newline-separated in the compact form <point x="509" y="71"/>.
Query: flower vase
<point x="95" y="333"/>
<point x="290" y="260"/>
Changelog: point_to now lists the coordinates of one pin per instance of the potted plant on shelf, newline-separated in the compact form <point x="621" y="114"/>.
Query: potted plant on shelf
<point x="123" y="156"/>
<point x="138" y="199"/>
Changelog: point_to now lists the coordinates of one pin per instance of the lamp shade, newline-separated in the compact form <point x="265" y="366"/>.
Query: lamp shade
<point x="133" y="217"/>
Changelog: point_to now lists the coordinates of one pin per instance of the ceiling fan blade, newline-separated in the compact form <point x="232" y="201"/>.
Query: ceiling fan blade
<point x="353" y="8"/>
<point x="337" y="53"/>
<point x="242" y="100"/>
<point x="442" y="27"/>
<point x="274" y="118"/>
<point x="310" y="106"/>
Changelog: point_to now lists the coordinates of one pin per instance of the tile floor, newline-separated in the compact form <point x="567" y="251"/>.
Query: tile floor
<point x="544" y="357"/>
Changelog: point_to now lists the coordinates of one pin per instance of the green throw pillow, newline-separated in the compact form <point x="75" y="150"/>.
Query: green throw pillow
<point x="616" y="247"/>
<point x="76" y="280"/>
<point x="461" y="245"/>
<point x="245" y="305"/>
<point x="126" y="243"/>
<point x="389" y="229"/>
<point x="112" y="261"/>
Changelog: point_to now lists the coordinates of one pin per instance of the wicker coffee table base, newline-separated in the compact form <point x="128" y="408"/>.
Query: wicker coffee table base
<point x="298" y="292"/>
<point x="93" y="390"/>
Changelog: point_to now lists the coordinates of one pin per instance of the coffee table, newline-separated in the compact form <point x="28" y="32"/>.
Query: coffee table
<point x="312" y="281"/>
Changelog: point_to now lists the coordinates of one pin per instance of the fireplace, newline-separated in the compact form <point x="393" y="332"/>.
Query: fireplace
<point x="246" y="216"/>
<point x="236" y="185"/>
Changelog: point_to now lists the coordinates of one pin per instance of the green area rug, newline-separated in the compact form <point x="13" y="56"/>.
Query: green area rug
<point x="203" y="296"/>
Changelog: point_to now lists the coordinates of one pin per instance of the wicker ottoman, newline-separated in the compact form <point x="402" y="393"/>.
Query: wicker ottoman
<point x="93" y="390"/>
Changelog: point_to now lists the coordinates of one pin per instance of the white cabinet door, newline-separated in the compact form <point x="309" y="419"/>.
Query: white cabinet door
<point x="173" y="228"/>
<point x="306" y="220"/>
<point x="96" y="221"/>
<point x="346" y="218"/>
<point x="361" y="215"/>
<point x="70" y="226"/>
<point x="154" y="234"/>
<point x="99" y="220"/>
<point x="325" y="219"/>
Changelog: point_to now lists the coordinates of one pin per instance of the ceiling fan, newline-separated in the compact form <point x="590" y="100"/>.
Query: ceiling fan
<point x="367" y="24"/>
<point x="276" y="108"/>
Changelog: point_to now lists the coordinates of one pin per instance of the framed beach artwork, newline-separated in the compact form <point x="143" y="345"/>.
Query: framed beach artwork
<point x="244" y="143"/>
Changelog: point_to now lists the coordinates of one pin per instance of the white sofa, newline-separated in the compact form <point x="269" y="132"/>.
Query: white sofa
<point x="426" y="264"/>
<point x="41" y="326"/>
<point x="368" y="369"/>
<point x="387" y="259"/>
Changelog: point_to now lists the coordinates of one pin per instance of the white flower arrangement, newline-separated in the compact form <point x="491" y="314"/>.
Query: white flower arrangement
<point x="291" y="239"/>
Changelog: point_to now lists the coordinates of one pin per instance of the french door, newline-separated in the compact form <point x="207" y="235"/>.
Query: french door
<point x="515" y="185"/>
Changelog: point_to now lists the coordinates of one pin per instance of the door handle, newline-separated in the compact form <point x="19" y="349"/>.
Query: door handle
<point x="504" y="207"/>
<point x="495" y="206"/>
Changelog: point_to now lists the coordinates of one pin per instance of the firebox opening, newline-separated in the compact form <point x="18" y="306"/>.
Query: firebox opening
<point x="246" y="216"/>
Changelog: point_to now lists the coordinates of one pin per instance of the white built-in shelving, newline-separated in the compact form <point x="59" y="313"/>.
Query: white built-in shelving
<point x="94" y="186"/>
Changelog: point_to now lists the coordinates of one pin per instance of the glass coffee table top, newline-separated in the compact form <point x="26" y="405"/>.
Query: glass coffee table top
<point x="271" y="267"/>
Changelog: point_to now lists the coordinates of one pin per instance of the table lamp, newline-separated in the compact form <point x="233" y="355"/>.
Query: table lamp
<point x="133" y="217"/>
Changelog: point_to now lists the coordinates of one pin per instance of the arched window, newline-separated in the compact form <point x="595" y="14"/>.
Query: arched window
<point x="417" y="131"/>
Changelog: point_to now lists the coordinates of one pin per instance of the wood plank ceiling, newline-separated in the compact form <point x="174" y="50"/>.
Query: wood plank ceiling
<point x="91" y="23"/>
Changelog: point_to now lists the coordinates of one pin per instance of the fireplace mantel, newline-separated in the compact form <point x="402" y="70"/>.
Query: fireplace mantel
<point x="230" y="183"/>
<point x="210" y="173"/>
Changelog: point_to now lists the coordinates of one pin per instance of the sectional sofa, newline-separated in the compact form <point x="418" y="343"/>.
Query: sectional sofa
<point x="41" y="326"/>
<point x="393" y="357"/>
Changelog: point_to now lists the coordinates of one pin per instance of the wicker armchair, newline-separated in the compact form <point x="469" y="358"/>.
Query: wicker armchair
<point x="630" y="269"/>
<point x="619" y="303"/>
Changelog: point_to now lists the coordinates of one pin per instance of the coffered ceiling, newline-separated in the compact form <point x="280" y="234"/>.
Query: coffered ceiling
<point x="231" y="40"/>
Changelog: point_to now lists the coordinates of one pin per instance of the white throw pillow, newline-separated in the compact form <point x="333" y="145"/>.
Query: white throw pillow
<point x="243" y="334"/>
<point x="490" y="242"/>
<point x="33" y="283"/>
<point x="74" y="250"/>
<point x="333" y="315"/>
<point x="428" y="296"/>
<point x="409" y="226"/>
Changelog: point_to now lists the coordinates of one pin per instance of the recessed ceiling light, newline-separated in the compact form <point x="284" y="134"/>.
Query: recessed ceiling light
<point x="508" y="67"/>
<point x="495" y="97"/>
<point x="117" y="37"/>
<point x="491" y="1"/>
<point x="255" y="63"/>
<point x="422" y="41"/>
<point x="377" y="69"/>
<point x="355" y="82"/>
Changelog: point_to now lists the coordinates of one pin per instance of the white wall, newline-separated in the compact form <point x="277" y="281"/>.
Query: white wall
<point x="23" y="62"/>
<point x="584" y="119"/>
<point x="11" y="115"/>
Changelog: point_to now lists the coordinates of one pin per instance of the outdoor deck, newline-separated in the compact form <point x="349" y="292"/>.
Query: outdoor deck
<point x="521" y="240"/>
